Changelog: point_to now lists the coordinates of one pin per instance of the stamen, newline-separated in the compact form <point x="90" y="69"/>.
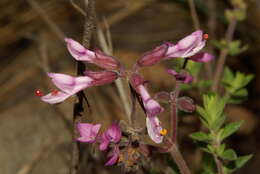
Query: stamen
<point x="38" y="93"/>
<point x="54" y="92"/>
<point x="163" y="132"/>
<point x="205" y="36"/>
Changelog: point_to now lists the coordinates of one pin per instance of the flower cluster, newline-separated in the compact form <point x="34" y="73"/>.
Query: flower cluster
<point x="89" y="133"/>
<point x="188" y="48"/>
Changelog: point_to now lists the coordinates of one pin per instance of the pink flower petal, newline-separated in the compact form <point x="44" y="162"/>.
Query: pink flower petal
<point x="70" y="84"/>
<point x="78" y="51"/>
<point x="88" y="132"/>
<point x="188" y="46"/>
<point x="54" y="99"/>
<point x="154" y="128"/>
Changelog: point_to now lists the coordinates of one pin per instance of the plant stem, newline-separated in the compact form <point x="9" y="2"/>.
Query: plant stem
<point x="174" y="112"/>
<point x="177" y="156"/>
<point x="194" y="15"/>
<point x="223" y="55"/>
<point x="78" y="105"/>
<point x="216" y="143"/>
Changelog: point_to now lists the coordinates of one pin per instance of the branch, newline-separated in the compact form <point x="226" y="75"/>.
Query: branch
<point x="78" y="105"/>
<point x="223" y="55"/>
<point x="176" y="155"/>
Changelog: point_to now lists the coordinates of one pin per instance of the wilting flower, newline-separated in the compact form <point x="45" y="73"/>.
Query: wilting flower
<point x="69" y="85"/>
<point x="111" y="135"/>
<point x="88" y="132"/>
<point x="188" y="47"/>
<point x="183" y="77"/>
<point x="97" y="57"/>
<point x="151" y="106"/>
<point x="113" y="156"/>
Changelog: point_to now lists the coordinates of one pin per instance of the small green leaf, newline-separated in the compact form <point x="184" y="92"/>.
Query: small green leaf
<point x="229" y="129"/>
<point x="242" y="160"/>
<point x="229" y="154"/>
<point x="200" y="136"/>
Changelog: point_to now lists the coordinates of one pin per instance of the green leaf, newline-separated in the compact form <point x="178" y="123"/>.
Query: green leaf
<point x="200" y="136"/>
<point x="242" y="160"/>
<point x="229" y="129"/>
<point x="229" y="154"/>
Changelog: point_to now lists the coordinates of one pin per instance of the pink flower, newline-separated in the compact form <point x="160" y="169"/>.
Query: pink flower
<point x="88" y="132"/>
<point x="151" y="106"/>
<point x="154" y="129"/>
<point x="188" y="47"/>
<point x="111" y="135"/>
<point x="71" y="85"/>
<point x="184" y="77"/>
<point x="113" y="156"/>
<point x="97" y="57"/>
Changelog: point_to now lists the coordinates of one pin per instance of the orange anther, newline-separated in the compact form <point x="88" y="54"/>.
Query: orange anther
<point x="205" y="36"/>
<point x="163" y="132"/>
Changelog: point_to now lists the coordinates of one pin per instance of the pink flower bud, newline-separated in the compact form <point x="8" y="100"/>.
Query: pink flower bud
<point x="101" y="77"/>
<point x="152" y="57"/>
<point x="105" y="61"/>
<point x="186" y="104"/>
<point x="202" y="57"/>
<point x="183" y="76"/>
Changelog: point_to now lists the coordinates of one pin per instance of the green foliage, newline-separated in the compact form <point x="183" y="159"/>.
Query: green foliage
<point x="212" y="114"/>
<point x="235" y="84"/>
<point x="228" y="154"/>
<point x="213" y="117"/>
<point x="234" y="47"/>
<point x="200" y="136"/>
<point x="229" y="129"/>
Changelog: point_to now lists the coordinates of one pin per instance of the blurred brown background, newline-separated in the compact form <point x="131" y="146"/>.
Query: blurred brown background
<point x="35" y="137"/>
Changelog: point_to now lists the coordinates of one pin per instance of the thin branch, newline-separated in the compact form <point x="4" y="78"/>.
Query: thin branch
<point x="47" y="19"/>
<point x="177" y="156"/>
<point x="194" y="15"/>
<point x="80" y="10"/>
<point x="124" y="13"/>
<point x="119" y="82"/>
<point x="89" y="27"/>
<point x="223" y="55"/>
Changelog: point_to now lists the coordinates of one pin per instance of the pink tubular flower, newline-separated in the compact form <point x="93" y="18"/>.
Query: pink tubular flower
<point x="88" y="132"/>
<point x="184" y="77"/>
<point x="151" y="106"/>
<point x="111" y="135"/>
<point x="154" y="129"/>
<point x="71" y="85"/>
<point x="98" y="58"/>
<point x="188" y="47"/>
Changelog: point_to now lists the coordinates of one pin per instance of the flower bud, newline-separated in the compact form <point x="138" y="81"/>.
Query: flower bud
<point x="152" y="57"/>
<point x="186" y="104"/>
